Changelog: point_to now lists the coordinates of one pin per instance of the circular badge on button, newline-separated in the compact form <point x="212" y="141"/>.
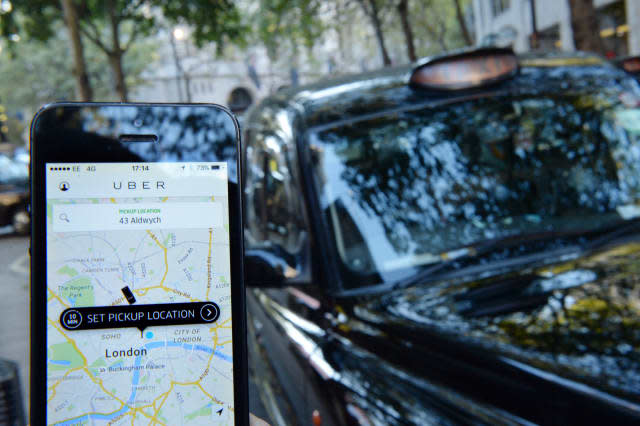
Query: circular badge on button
<point x="209" y="312"/>
<point x="71" y="319"/>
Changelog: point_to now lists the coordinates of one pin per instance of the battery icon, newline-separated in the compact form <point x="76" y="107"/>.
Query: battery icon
<point x="215" y="167"/>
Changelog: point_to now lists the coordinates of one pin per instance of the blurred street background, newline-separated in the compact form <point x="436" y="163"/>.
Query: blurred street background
<point x="14" y="321"/>
<point x="236" y="54"/>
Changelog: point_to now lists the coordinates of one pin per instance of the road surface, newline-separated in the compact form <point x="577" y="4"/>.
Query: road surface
<point x="14" y="312"/>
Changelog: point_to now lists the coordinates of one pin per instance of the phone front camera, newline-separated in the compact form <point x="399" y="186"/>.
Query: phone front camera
<point x="137" y="122"/>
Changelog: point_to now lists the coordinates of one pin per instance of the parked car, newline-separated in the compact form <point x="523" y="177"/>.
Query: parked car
<point x="455" y="241"/>
<point x="14" y="195"/>
<point x="21" y="155"/>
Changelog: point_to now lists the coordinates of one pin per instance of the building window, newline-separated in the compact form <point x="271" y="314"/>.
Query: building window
<point x="614" y="30"/>
<point x="549" y="38"/>
<point x="499" y="6"/>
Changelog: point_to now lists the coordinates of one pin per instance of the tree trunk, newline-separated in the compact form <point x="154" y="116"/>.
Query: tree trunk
<point x="116" y="54"/>
<point x="403" y="11"/>
<point x="115" y="61"/>
<point x="178" y="64"/>
<point x="373" y="12"/>
<point x="187" y="86"/>
<point x="586" y="34"/>
<point x="84" y="92"/>
<point x="463" y="25"/>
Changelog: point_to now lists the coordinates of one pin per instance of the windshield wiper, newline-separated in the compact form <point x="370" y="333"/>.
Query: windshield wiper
<point x="613" y="233"/>
<point x="589" y="240"/>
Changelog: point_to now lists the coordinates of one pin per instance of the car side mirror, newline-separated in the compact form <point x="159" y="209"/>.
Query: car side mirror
<point x="264" y="269"/>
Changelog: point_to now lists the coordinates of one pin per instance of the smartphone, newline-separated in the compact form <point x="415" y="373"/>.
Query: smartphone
<point x="137" y="296"/>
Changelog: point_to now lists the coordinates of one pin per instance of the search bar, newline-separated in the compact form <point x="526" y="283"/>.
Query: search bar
<point x="124" y="217"/>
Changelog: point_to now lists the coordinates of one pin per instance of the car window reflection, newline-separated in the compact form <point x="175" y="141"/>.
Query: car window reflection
<point x="434" y="180"/>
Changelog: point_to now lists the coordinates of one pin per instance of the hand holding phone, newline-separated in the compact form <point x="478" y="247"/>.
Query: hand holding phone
<point x="137" y="310"/>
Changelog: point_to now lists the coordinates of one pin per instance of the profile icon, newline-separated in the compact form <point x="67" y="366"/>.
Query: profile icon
<point x="64" y="186"/>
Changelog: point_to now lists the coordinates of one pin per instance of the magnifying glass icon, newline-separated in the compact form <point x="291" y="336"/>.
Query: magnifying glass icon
<point x="63" y="216"/>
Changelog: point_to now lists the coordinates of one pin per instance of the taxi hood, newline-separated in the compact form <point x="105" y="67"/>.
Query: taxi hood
<point x="579" y="320"/>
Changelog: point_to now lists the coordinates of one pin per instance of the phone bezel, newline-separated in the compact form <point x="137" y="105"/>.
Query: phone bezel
<point x="38" y="296"/>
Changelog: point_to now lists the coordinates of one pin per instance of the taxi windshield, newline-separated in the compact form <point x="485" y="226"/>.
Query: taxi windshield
<point x="402" y="190"/>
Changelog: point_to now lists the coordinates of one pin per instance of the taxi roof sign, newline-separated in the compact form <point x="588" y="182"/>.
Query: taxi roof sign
<point x="465" y="70"/>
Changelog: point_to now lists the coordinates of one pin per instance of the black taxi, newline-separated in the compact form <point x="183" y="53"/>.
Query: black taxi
<point x="455" y="241"/>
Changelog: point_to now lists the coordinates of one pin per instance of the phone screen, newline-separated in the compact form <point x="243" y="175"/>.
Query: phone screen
<point x="138" y="310"/>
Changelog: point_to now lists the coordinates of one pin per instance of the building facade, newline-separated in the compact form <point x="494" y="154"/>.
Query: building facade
<point x="511" y="22"/>
<point x="184" y="73"/>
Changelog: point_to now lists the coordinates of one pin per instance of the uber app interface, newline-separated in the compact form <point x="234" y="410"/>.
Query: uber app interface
<point x="138" y="294"/>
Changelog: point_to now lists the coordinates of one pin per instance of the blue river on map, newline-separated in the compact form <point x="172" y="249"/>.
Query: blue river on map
<point x="136" y="378"/>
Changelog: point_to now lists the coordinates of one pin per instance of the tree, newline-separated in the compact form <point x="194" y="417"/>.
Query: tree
<point x="372" y="10"/>
<point x="441" y="27"/>
<point x="34" y="18"/>
<point x="287" y="23"/>
<point x="83" y="87"/>
<point x="43" y="71"/>
<point x="218" y="21"/>
<point x="585" y="26"/>
<point x="113" y="26"/>
<point x="403" y="12"/>
<point x="463" y="25"/>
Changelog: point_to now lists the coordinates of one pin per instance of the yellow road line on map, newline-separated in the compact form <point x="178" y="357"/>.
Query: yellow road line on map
<point x="209" y="267"/>
<point x="53" y="388"/>
<point x="143" y="291"/>
<point x="222" y="324"/>
<point x="165" y="395"/>
<point x="211" y="397"/>
<point x="166" y="261"/>
<point x="57" y="297"/>
<point x="84" y="359"/>
<point x="157" y="410"/>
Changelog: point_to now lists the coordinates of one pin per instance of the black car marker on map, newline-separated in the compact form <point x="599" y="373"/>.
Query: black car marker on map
<point x="129" y="295"/>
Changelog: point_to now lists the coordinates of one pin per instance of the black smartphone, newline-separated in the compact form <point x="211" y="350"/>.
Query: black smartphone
<point x="137" y="296"/>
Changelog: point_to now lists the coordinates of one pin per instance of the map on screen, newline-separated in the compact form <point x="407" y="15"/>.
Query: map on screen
<point x="139" y="323"/>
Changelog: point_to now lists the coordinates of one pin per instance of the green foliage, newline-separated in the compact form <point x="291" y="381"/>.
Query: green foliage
<point x="288" y="22"/>
<point x="212" y="20"/>
<point x="114" y="26"/>
<point x="17" y="129"/>
<point x="217" y="21"/>
<point x="35" y="18"/>
<point x="8" y="24"/>
<point x="435" y="25"/>
<point x="41" y="71"/>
